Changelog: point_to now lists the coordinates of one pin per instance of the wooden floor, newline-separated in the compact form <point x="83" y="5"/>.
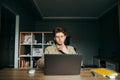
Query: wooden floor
<point x="22" y="74"/>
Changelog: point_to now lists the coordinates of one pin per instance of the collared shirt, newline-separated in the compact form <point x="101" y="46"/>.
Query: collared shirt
<point x="54" y="50"/>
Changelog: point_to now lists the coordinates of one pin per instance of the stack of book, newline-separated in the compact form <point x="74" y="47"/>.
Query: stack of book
<point x="25" y="64"/>
<point x="105" y="72"/>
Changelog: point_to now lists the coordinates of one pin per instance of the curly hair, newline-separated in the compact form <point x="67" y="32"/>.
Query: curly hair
<point x="57" y="30"/>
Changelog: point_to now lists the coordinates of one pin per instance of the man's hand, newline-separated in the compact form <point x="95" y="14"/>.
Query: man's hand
<point x="63" y="48"/>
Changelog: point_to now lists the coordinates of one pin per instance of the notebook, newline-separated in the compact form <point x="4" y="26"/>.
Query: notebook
<point x="104" y="71"/>
<point x="62" y="64"/>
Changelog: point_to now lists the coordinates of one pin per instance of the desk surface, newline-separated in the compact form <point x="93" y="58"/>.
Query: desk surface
<point x="22" y="74"/>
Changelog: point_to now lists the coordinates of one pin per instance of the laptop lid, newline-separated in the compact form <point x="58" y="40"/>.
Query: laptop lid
<point x="62" y="64"/>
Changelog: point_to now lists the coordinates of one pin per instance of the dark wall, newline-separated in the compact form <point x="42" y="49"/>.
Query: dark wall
<point x="109" y="40"/>
<point x="87" y="36"/>
<point x="26" y="21"/>
<point x="8" y="27"/>
<point x="84" y="35"/>
<point x="90" y="37"/>
<point x="7" y="35"/>
<point x="0" y="16"/>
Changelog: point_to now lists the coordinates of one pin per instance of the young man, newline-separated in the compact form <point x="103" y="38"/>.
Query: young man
<point x="59" y="48"/>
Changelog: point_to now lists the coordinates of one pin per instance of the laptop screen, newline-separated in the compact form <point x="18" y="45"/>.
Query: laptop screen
<point x="62" y="64"/>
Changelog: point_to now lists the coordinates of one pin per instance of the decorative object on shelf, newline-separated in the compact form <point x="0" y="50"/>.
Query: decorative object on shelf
<point x="35" y="41"/>
<point x="27" y="39"/>
<point x="50" y="42"/>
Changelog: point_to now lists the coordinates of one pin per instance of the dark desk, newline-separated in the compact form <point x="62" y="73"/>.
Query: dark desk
<point x="22" y="74"/>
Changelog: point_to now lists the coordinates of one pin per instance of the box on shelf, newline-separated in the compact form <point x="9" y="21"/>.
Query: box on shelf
<point x="37" y="51"/>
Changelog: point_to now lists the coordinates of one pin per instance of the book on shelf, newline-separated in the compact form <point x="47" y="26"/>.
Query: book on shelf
<point x="25" y="64"/>
<point x="105" y="72"/>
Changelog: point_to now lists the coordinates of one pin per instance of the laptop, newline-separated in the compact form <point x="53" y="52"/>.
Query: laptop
<point x="62" y="64"/>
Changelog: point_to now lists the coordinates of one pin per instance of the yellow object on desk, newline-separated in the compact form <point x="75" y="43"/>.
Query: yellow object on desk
<point x="104" y="72"/>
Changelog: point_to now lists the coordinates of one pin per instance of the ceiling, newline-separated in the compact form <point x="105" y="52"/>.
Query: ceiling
<point x="71" y="9"/>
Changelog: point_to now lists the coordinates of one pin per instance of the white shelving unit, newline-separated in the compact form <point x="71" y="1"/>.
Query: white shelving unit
<point x="31" y="47"/>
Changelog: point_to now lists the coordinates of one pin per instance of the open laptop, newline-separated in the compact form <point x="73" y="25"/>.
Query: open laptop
<point x="62" y="64"/>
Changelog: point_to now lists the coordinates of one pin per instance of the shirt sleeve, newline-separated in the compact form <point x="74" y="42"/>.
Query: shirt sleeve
<point x="46" y="51"/>
<point x="41" y="60"/>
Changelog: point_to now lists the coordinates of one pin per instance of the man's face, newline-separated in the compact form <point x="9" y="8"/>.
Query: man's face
<point x="60" y="38"/>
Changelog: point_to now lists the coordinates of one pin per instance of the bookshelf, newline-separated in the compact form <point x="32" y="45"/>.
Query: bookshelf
<point x="31" y="47"/>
